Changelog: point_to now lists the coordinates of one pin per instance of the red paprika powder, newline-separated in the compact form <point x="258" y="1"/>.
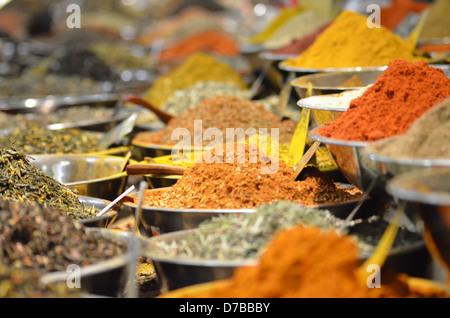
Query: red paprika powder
<point x="401" y="94"/>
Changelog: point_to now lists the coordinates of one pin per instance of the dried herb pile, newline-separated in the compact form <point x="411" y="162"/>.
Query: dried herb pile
<point x="244" y="236"/>
<point x="23" y="182"/>
<point x="32" y="236"/>
<point x="37" y="139"/>
<point x="227" y="181"/>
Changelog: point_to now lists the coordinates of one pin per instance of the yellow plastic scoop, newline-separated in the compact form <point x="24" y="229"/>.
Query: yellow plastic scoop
<point x="298" y="141"/>
<point x="384" y="245"/>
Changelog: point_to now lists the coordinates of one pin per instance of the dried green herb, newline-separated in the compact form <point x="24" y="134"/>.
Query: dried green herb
<point x="37" y="139"/>
<point x="244" y="236"/>
<point x="21" y="181"/>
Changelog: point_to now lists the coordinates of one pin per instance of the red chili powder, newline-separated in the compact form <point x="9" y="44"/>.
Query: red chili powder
<point x="401" y="94"/>
<point x="394" y="14"/>
<point x="297" y="46"/>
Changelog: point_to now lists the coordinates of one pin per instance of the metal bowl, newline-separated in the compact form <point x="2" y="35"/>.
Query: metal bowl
<point x="428" y="192"/>
<point x="355" y="167"/>
<point x="47" y="104"/>
<point x="275" y="57"/>
<point x="303" y="71"/>
<point x="98" y="221"/>
<point x="177" y="272"/>
<point x="389" y="167"/>
<point x="98" y="176"/>
<point x="330" y="82"/>
<point x="106" y="278"/>
<point x="159" y="220"/>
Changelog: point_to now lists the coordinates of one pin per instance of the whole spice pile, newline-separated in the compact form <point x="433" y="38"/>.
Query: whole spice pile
<point x="198" y="67"/>
<point x="37" y="139"/>
<point x="32" y="236"/>
<point x="427" y="138"/>
<point x="245" y="178"/>
<point x="309" y="262"/>
<point x="401" y="94"/>
<point x="349" y="42"/>
<point x="244" y="236"/>
<point x="209" y="41"/>
<point x="220" y="112"/>
<point x="23" y="182"/>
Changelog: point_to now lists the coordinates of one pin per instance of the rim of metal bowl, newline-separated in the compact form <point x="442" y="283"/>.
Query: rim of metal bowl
<point x="179" y="210"/>
<point x="314" y="134"/>
<point x="410" y="187"/>
<point x="326" y="74"/>
<point x="406" y="161"/>
<point x="301" y="103"/>
<point x="276" y="57"/>
<point x="159" y="256"/>
<point x="114" y="211"/>
<point x="329" y="69"/>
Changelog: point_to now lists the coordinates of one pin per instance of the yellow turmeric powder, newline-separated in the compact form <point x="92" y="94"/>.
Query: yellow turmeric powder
<point x="349" y="42"/>
<point x="197" y="67"/>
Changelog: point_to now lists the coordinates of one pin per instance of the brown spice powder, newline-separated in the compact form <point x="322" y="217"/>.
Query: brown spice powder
<point x="221" y="112"/>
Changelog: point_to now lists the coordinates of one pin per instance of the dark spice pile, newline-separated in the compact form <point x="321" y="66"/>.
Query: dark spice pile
<point x="32" y="236"/>
<point x="221" y="112"/>
<point x="37" y="139"/>
<point x="236" y="185"/>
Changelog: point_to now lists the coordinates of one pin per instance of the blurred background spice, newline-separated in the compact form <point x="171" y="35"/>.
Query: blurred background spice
<point x="214" y="42"/>
<point x="197" y="67"/>
<point x="353" y="44"/>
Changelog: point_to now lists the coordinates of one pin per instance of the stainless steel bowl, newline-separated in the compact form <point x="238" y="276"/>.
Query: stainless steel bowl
<point x="106" y="278"/>
<point x="330" y="82"/>
<point x="98" y="176"/>
<point x="355" y="167"/>
<point x="158" y="220"/>
<point x="428" y="192"/>
<point x="304" y="71"/>
<point x="389" y="167"/>
<point x="174" y="273"/>
<point x="98" y="221"/>
<point x="144" y="149"/>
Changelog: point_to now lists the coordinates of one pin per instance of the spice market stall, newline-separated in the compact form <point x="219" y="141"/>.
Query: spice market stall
<point x="157" y="151"/>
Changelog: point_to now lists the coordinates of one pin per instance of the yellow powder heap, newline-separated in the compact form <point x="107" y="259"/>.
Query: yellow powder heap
<point x="350" y="42"/>
<point x="198" y="67"/>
